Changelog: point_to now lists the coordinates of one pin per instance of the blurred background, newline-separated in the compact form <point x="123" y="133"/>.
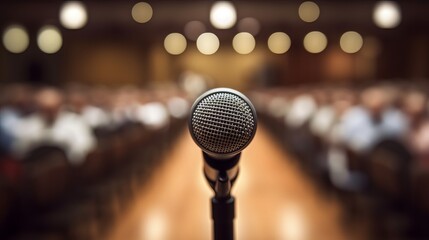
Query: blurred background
<point x="95" y="96"/>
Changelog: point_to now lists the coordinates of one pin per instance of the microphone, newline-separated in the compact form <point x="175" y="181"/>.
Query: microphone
<point x="223" y="122"/>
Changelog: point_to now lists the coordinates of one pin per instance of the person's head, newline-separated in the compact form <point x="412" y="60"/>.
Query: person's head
<point x="342" y="99"/>
<point x="49" y="102"/>
<point x="17" y="96"/>
<point x="100" y="96"/>
<point x="414" y="103"/>
<point x="374" y="99"/>
<point x="76" y="100"/>
<point x="321" y="96"/>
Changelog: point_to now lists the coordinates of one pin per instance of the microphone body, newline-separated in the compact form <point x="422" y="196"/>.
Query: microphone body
<point x="223" y="122"/>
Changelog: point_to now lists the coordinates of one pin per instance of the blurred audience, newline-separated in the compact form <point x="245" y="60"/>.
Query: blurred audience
<point x="415" y="107"/>
<point x="152" y="112"/>
<point x="73" y="152"/>
<point x="358" y="141"/>
<point x="374" y="119"/>
<point x="15" y="104"/>
<point x="68" y="117"/>
<point x="53" y="125"/>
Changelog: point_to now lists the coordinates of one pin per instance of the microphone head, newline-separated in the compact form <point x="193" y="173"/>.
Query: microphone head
<point x="223" y="122"/>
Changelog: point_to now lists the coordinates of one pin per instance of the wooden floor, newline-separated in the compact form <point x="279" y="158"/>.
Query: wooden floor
<point x="274" y="200"/>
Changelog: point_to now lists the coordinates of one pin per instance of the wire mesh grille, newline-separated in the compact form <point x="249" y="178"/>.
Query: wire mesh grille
<point x="223" y="122"/>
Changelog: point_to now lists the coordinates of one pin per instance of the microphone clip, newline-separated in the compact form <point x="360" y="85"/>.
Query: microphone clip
<point x="222" y="186"/>
<point x="221" y="174"/>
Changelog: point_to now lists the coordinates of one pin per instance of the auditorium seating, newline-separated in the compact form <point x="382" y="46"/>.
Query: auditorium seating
<point x="358" y="143"/>
<point x="45" y="195"/>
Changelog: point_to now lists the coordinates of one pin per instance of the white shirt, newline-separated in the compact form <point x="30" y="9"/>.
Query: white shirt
<point x="69" y="131"/>
<point x="361" y="133"/>
<point x="95" y="117"/>
<point x="153" y="115"/>
<point x="322" y="121"/>
<point x="302" y="108"/>
<point x="178" y="107"/>
<point x="278" y="107"/>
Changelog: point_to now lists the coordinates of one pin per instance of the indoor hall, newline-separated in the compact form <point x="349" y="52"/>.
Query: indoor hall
<point x="214" y="120"/>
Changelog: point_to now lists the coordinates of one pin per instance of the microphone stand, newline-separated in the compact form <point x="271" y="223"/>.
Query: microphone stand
<point x="223" y="203"/>
<point x="223" y="209"/>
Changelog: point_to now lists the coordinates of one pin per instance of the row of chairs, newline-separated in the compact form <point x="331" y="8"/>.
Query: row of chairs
<point x="390" y="187"/>
<point x="43" y="196"/>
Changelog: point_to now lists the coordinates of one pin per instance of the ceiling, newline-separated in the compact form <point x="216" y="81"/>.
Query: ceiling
<point x="170" y="16"/>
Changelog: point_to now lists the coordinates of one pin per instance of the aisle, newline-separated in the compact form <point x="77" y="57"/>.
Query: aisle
<point x="274" y="199"/>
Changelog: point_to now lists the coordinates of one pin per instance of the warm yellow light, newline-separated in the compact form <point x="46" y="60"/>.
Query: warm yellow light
<point x="15" y="39"/>
<point x="223" y="15"/>
<point x="351" y="42"/>
<point x="309" y="11"/>
<point x="387" y="14"/>
<point x="175" y="43"/>
<point x="250" y="25"/>
<point x="194" y="29"/>
<point x="315" y="42"/>
<point x="243" y="43"/>
<point x="279" y="42"/>
<point x="208" y="43"/>
<point x="73" y="15"/>
<point x="142" y="12"/>
<point x="49" y="39"/>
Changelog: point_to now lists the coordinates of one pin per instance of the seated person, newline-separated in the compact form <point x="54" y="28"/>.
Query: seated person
<point x="301" y="110"/>
<point x="360" y="128"/>
<point x="414" y="106"/>
<point x="78" y="102"/>
<point x="14" y="105"/>
<point x="365" y="125"/>
<point x="51" y="125"/>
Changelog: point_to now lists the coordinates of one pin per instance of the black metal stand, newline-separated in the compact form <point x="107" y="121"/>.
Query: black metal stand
<point x="223" y="213"/>
<point x="223" y="208"/>
<point x="221" y="175"/>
